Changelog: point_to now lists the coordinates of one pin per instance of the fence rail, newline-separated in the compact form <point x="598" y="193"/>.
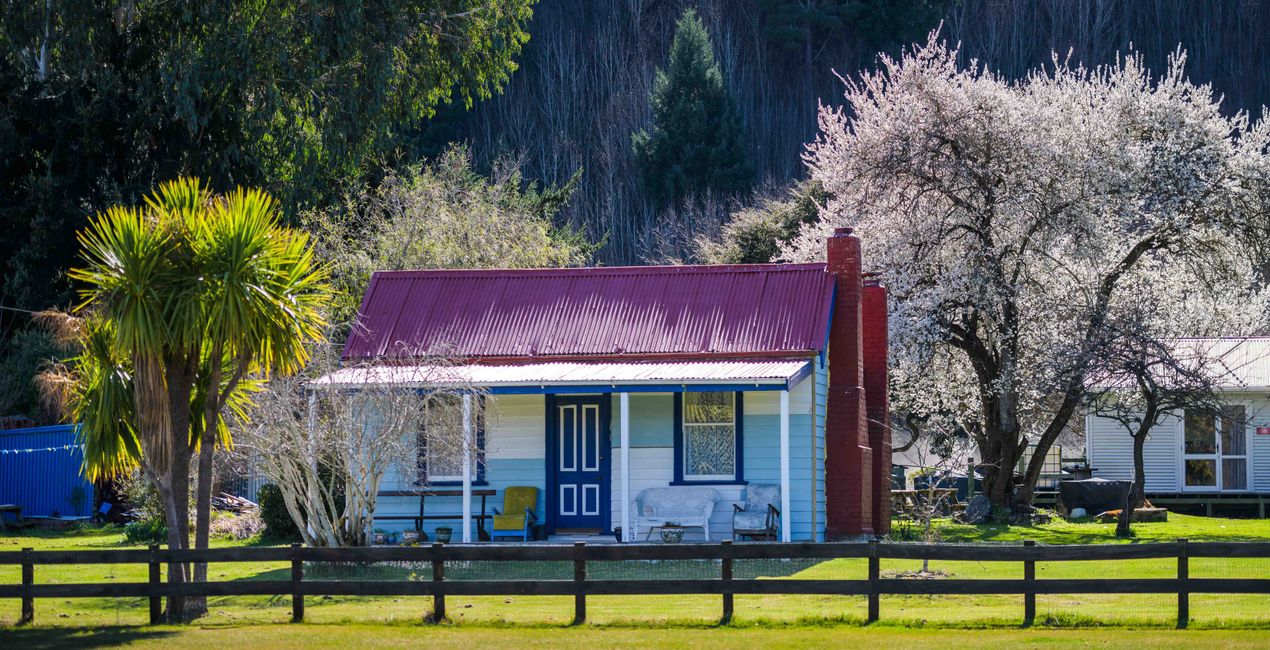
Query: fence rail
<point x="581" y="586"/>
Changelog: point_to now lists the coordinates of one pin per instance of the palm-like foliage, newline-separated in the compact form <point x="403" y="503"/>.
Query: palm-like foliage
<point x="185" y="299"/>
<point x="94" y="387"/>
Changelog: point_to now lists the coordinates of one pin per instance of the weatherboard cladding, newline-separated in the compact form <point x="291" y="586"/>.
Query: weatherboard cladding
<point x="743" y="309"/>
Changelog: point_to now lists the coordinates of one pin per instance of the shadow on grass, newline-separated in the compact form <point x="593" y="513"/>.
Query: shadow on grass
<point x="40" y="638"/>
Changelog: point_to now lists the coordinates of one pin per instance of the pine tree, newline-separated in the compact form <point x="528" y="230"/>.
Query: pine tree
<point x="696" y="143"/>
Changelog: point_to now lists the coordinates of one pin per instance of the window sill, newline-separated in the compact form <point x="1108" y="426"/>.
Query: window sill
<point x="709" y="482"/>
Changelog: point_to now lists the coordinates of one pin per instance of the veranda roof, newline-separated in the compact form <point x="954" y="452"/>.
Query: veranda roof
<point x="603" y="377"/>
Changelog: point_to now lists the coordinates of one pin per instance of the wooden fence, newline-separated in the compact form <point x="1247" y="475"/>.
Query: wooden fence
<point x="580" y="586"/>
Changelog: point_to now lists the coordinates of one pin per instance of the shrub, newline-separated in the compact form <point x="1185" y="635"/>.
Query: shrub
<point x="273" y="512"/>
<point x="244" y="525"/>
<point x="145" y="532"/>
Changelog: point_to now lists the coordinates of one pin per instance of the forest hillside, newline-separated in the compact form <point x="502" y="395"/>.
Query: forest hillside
<point x="584" y="79"/>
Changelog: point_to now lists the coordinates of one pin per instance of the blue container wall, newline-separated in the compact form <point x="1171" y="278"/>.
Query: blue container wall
<point x="44" y="483"/>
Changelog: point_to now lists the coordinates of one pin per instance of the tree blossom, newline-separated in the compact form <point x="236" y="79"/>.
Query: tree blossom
<point x="1012" y="222"/>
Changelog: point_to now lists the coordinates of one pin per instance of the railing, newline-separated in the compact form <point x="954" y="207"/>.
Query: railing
<point x="581" y="586"/>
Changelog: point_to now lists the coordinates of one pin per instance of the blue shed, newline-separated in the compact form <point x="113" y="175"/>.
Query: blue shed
<point x="40" y="471"/>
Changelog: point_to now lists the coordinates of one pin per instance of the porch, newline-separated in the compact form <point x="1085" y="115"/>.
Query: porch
<point x="592" y="447"/>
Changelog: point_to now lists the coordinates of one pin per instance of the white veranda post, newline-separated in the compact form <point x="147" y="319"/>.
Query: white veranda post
<point x="784" y="466"/>
<point x="467" y="469"/>
<point x="625" y="460"/>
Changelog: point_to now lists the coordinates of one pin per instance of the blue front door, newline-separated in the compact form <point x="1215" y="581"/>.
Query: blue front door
<point x="578" y="444"/>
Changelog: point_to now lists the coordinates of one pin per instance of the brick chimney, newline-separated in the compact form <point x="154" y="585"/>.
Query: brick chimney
<point x="849" y="468"/>
<point x="874" y="323"/>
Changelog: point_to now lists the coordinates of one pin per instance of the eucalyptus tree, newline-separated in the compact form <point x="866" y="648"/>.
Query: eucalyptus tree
<point x="1013" y="221"/>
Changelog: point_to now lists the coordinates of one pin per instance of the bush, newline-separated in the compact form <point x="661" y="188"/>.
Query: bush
<point x="273" y="512"/>
<point x="244" y="525"/>
<point x="754" y="235"/>
<point x="145" y="532"/>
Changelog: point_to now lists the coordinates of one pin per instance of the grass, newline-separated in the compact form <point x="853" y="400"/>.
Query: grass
<point x="781" y="621"/>
<point x="466" y="637"/>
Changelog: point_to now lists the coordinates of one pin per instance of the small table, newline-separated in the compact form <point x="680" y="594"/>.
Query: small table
<point x="424" y="494"/>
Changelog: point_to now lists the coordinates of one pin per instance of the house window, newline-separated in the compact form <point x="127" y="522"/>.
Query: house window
<point x="708" y="440"/>
<point x="1215" y="449"/>
<point x="440" y="441"/>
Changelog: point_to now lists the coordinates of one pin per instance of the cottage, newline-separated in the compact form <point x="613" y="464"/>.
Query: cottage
<point x="602" y="383"/>
<point x="1199" y="458"/>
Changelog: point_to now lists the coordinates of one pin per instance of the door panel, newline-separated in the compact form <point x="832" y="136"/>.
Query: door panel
<point x="579" y="439"/>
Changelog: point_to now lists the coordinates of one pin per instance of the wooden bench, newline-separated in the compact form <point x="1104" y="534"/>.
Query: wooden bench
<point x="481" y="533"/>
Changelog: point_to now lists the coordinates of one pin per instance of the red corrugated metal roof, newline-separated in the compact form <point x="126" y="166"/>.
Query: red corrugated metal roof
<point x="641" y="311"/>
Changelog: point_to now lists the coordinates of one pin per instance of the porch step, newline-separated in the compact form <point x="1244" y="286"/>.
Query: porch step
<point x="589" y="538"/>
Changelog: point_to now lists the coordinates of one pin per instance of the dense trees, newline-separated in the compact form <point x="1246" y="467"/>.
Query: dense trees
<point x="442" y="215"/>
<point x="589" y="68"/>
<point x="99" y="100"/>
<point x="696" y="142"/>
<point x="1015" y="224"/>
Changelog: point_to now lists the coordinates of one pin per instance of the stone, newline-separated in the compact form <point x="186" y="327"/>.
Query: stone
<point x="978" y="509"/>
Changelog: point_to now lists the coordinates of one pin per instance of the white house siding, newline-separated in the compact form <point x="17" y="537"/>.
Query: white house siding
<point x="652" y="455"/>
<point x="515" y="452"/>
<point x="1110" y="448"/>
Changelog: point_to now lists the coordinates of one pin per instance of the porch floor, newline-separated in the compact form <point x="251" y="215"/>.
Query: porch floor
<point x="589" y="538"/>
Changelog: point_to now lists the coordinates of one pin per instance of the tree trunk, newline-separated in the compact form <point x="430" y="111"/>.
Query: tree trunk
<point x="1136" y="493"/>
<point x="202" y="514"/>
<point x="176" y="571"/>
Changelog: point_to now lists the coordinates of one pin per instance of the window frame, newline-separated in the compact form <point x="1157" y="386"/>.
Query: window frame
<point x="738" y="418"/>
<point x="478" y="476"/>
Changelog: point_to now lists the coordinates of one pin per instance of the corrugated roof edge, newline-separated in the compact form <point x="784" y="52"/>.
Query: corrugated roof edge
<point x="603" y="270"/>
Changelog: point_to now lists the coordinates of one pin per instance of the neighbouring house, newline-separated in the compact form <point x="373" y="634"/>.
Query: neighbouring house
<point x="1204" y="457"/>
<point x="600" y="383"/>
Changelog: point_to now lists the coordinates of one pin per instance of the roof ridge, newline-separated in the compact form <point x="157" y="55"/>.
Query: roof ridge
<point x="658" y="269"/>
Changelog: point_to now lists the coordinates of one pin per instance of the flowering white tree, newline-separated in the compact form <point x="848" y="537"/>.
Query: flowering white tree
<point x="1011" y="220"/>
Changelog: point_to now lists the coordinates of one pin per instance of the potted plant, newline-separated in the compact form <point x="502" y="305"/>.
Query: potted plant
<point x="444" y="534"/>
<point x="379" y="537"/>
<point x="672" y="532"/>
<point x="409" y="537"/>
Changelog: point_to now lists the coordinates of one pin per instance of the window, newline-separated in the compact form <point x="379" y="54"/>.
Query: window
<point x="708" y="437"/>
<point x="440" y="441"/>
<point x="1215" y="449"/>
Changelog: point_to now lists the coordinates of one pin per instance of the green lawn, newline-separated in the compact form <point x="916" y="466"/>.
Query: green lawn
<point x="617" y="620"/>
<point x="468" y="637"/>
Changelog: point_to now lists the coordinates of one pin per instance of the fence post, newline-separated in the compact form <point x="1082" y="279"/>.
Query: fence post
<point x="297" y="576"/>
<point x="726" y="578"/>
<point x="438" y="579"/>
<point x="579" y="583"/>
<point x="1183" y="584"/>
<point x="874" y="571"/>
<point x="28" y="580"/>
<point x="1029" y="586"/>
<point x="156" y="585"/>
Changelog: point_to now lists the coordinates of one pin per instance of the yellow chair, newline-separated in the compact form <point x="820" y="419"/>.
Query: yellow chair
<point x="517" y="518"/>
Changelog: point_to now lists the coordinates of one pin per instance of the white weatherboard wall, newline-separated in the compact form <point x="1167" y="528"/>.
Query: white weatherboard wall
<point x="652" y="455"/>
<point x="1110" y="448"/>
<point x="515" y="453"/>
